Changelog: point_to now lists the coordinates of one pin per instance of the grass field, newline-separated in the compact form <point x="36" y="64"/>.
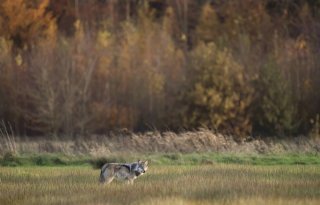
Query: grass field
<point x="164" y="184"/>
<point x="14" y="160"/>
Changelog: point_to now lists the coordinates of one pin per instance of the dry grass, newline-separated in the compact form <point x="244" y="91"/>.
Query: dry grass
<point x="206" y="184"/>
<point x="156" y="142"/>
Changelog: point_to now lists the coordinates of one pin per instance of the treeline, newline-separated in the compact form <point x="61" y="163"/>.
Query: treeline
<point x="241" y="67"/>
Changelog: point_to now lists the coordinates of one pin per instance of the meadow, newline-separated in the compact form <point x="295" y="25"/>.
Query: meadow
<point x="216" y="183"/>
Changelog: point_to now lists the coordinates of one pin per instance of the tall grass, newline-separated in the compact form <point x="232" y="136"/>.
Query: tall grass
<point x="206" y="184"/>
<point x="6" y="133"/>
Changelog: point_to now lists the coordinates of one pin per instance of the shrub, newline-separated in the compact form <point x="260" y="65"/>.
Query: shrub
<point x="273" y="105"/>
<point x="10" y="159"/>
<point x="217" y="94"/>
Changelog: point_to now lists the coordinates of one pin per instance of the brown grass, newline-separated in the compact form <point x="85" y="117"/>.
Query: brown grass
<point x="155" y="142"/>
<point x="207" y="184"/>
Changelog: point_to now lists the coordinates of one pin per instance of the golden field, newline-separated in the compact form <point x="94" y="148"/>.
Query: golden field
<point x="164" y="184"/>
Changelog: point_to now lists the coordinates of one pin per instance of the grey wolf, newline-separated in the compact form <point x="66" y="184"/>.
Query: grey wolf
<point x="122" y="171"/>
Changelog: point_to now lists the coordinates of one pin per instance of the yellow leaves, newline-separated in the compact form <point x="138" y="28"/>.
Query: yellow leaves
<point x="215" y="98"/>
<point x="104" y="38"/>
<point x="5" y="46"/>
<point x="301" y="44"/>
<point x="15" y="12"/>
<point x="18" y="60"/>
<point x="77" y="25"/>
<point x="220" y="95"/>
<point x="79" y="34"/>
<point x="26" y="24"/>
<point x="199" y="94"/>
<point x="157" y="83"/>
<point x="43" y="5"/>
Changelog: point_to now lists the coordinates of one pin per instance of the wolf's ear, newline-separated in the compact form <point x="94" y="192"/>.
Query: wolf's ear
<point x="146" y="162"/>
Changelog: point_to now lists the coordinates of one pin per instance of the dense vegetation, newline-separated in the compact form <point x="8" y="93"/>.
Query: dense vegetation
<point x="78" y="67"/>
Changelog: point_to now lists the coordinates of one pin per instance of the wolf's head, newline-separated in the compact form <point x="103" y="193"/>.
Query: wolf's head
<point x="142" y="167"/>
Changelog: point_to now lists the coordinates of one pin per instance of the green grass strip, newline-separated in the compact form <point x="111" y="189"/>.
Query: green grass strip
<point x="12" y="160"/>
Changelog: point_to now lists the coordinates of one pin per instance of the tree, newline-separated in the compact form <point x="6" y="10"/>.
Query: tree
<point x="274" y="109"/>
<point x="25" y="22"/>
<point x="59" y="88"/>
<point x="217" y="94"/>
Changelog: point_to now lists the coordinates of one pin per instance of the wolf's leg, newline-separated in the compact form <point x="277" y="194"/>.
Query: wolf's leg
<point x="106" y="176"/>
<point x="130" y="181"/>
<point x="102" y="178"/>
<point x="109" y="180"/>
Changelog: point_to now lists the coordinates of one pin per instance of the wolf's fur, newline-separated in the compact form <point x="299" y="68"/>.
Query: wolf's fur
<point x="122" y="171"/>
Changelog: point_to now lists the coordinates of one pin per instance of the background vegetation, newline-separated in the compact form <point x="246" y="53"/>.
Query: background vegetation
<point x="79" y="67"/>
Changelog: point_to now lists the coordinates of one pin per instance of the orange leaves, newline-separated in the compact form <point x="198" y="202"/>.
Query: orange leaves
<point x="26" y="22"/>
<point x="215" y="88"/>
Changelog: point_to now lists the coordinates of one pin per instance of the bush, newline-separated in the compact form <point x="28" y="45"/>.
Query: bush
<point x="10" y="159"/>
<point x="273" y="105"/>
<point x="217" y="94"/>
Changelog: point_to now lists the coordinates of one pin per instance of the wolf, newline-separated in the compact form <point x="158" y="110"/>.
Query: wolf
<point x="122" y="171"/>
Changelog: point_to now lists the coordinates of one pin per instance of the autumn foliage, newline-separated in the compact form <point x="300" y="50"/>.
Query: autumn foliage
<point x="239" y="67"/>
